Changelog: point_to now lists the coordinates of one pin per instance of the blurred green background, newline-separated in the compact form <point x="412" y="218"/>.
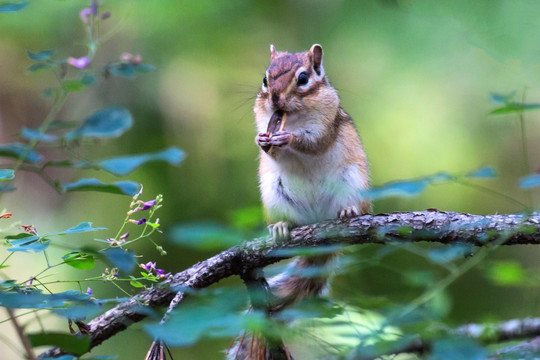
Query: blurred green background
<point x="415" y="75"/>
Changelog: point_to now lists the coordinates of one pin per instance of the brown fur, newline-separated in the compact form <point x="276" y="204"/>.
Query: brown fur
<point x="321" y="127"/>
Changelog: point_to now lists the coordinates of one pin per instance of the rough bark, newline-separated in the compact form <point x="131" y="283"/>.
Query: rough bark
<point x="430" y="226"/>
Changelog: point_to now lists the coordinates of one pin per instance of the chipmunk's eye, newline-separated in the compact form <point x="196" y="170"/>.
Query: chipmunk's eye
<point x="265" y="82"/>
<point x="303" y="79"/>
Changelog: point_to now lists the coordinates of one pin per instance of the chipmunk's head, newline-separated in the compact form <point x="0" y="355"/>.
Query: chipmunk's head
<point x="296" y="82"/>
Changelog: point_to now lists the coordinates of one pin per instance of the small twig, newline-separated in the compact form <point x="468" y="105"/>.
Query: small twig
<point x="431" y="226"/>
<point x="22" y="336"/>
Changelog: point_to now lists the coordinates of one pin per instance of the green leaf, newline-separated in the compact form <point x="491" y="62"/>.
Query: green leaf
<point x="73" y="85"/>
<point x="13" y="6"/>
<point x="35" y="134"/>
<point x="42" y="55"/>
<point x="122" y="259"/>
<point x="506" y="273"/>
<point x="482" y="173"/>
<point x="79" y="260"/>
<point x="110" y="122"/>
<point x="120" y="187"/>
<point x="18" y="150"/>
<point x="73" y="344"/>
<point x="6" y="174"/>
<point x="514" y="108"/>
<point x="136" y="284"/>
<point x="529" y="181"/>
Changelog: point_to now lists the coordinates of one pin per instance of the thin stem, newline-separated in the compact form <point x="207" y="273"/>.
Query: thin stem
<point x="22" y="336"/>
<point x="118" y="286"/>
<point x="46" y="258"/>
<point x="7" y="258"/>
<point x="58" y="105"/>
<point x="38" y="319"/>
<point x="20" y="315"/>
<point x="524" y="147"/>
<point x="46" y="288"/>
<point x="494" y="192"/>
<point x="97" y="278"/>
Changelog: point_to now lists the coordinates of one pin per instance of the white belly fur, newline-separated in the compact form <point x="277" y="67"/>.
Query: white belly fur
<point x="313" y="188"/>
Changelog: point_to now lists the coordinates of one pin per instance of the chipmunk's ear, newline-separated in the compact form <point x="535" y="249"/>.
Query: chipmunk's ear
<point x="315" y="55"/>
<point x="273" y="52"/>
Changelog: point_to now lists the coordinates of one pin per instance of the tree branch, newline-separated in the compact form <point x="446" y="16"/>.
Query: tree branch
<point x="516" y="329"/>
<point x="430" y="225"/>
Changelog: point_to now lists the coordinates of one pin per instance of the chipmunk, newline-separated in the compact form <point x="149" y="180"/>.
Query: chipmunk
<point x="313" y="169"/>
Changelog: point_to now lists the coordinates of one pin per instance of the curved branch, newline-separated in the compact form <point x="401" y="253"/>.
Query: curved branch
<point x="430" y="225"/>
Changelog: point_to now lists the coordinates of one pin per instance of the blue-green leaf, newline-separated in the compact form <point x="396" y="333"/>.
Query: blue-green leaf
<point x="69" y="343"/>
<point x="407" y="188"/>
<point x="122" y="259"/>
<point x="529" y="181"/>
<point x="37" y="300"/>
<point x="42" y="55"/>
<point x="449" y="253"/>
<point x="78" y="309"/>
<point x="63" y="357"/>
<point x="483" y="173"/>
<point x="451" y="349"/>
<point x="124" y="165"/>
<point x="82" y="227"/>
<point x="7" y="187"/>
<point x="35" y="134"/>
<point x="502" y="98"/>
<point x="6" y="174"/>
<point x="110" y="122"/>
<point x="123" y="70"/>
<point x="39" y="66"/>
<point x="204" y="235"/>
<point x="17" y="150"/>
<point x="32" y="242"/>
<point x="13" y="6"/>
<point x="129" y="70"/>
<point x="120" y="187"/>
<point x="217" y="313"/>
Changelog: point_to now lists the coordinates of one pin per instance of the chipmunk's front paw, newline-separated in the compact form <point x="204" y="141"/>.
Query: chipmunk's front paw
<point x="281" y="138"/>
<point x="280" y="232"/>
<point x="348" y="212"/>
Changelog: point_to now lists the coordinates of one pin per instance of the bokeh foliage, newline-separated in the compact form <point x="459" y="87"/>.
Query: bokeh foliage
<point x="415" y="75"/>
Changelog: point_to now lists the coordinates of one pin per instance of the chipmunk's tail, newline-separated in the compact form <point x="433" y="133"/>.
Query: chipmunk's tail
<point x="304" y="277"/>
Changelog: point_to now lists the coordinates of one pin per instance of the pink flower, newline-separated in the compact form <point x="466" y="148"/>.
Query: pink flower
<point x="89" y="291"/>
<point x="148" y="266"/>
<point x="138" y="222"/>
<point x="85" y="15"/>
<point x="80" y="63"/>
